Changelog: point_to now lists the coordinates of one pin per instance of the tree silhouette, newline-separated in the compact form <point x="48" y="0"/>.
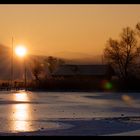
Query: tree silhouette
<point x="122" y="54"/>
<point x="138" y="28"/>
<point x="53" y="63"/>
<point x="37" y="69"/>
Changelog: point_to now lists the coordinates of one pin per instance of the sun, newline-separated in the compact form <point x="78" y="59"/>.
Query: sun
<point x="20" y="51"/>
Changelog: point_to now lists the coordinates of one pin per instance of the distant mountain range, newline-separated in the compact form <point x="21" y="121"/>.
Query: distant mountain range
<point x="79" y="58"/>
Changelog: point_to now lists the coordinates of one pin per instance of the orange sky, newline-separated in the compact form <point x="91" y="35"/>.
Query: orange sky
<point x="54" y="29"/>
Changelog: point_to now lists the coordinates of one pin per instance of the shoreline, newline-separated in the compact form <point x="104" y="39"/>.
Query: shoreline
<point x="73" y="90"/>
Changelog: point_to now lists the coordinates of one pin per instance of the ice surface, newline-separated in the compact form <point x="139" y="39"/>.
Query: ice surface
<point x="68" y="113"/>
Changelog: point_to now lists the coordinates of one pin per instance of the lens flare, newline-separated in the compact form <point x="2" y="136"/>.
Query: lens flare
<point x="107" y="85"/>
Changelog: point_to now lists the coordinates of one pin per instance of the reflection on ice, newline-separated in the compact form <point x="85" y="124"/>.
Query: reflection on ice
<point x="21" y="113"/>
<point x="21" y="96"/>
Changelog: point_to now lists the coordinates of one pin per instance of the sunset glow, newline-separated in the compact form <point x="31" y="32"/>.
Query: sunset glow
<point x="65" y="30"/>
<point x="20" y="51"/>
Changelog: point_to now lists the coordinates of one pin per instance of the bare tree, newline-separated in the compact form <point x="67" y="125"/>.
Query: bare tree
<point x="37" y="69"/>
<point x="138" y="28"/>
<point x="53" y="63"/>
<point x="138" y="33"/>
<point x="123" y="54"/>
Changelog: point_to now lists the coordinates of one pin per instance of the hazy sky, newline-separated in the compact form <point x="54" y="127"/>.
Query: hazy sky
<point x="53" y="29"/>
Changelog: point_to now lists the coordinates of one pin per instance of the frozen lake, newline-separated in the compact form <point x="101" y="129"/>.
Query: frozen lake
<point x="68" y="113"/>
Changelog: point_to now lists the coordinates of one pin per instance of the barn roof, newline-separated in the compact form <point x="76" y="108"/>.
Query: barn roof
<point x="85" y="70"/>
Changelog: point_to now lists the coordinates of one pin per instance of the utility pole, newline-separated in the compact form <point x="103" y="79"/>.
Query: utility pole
<point x="25" y="79"/>
<point x="12" y="64"/>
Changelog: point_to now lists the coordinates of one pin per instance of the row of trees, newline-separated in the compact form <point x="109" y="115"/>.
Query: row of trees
<point x="124" y="54"/>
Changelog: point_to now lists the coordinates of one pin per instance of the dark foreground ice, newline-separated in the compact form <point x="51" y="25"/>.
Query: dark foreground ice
<point x="69" y="113"/>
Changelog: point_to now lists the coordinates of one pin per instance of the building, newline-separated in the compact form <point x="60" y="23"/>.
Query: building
<point x="84" y="72"/>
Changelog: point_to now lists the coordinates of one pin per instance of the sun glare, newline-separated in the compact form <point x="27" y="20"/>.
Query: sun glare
<point x="20" y="51"/>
